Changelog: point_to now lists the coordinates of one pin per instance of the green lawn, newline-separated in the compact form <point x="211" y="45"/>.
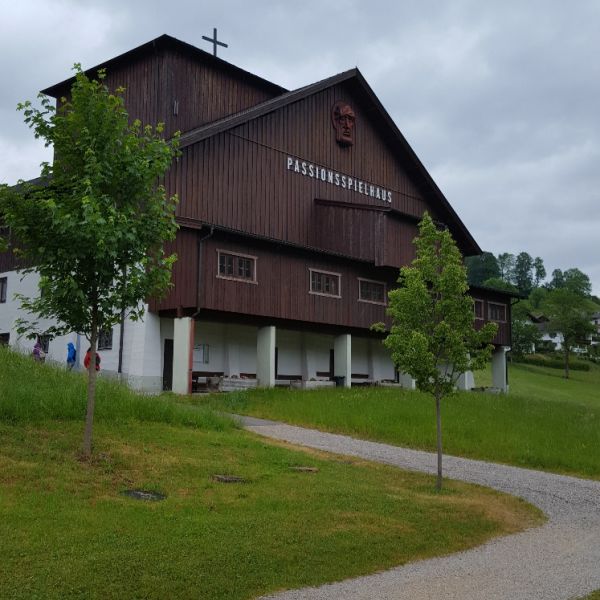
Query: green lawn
<point x="582" y="387"/>
<point x="544" y="423"/>
<point x="66" y="530"/>
<point x="593" y="596"/>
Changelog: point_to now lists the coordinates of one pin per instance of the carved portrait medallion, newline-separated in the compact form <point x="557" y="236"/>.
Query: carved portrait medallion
<point x="343" y="120"/>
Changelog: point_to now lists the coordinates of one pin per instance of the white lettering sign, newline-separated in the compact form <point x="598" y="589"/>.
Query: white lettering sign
<point x="346" y="182"/>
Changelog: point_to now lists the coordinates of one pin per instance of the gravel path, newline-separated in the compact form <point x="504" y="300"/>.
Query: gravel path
<point x="560" y="560"/>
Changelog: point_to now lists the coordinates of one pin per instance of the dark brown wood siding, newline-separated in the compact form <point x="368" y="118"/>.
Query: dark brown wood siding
<point x="503" y="337"/>
<point x="282" y="287"/>
<point x="154" y="83"/>
<point x="205" y="93"/>
<point x="283" y="284"/>
<point x="8" y="262"/>
<point x="185" y="273"/>
<point x="240" y="180"/>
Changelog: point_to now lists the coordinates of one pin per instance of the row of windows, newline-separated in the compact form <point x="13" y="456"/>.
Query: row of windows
<point x="241" y="267"/>
<point x="3" y="282"/>
<point x="496" y="312"/>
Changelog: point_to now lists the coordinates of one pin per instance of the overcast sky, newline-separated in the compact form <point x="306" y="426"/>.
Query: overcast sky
<point x="499" y="99"/>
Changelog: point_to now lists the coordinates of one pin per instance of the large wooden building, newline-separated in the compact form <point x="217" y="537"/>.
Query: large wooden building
<point x="297" y="209"/>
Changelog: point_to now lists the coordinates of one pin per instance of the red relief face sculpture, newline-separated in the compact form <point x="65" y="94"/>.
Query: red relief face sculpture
<point x="343" y="119"/>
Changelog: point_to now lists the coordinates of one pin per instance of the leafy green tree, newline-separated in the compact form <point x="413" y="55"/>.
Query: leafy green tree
<point x="506" y="266"/>
<point x="577" y="282"/>
<point x="480" y="268"/>
<point x="523" y="273"/>
<point x="95" y="231"/>
<point x="557" y="281"/>
<point x="537" y="298"/>
<point x="525" y="335"/>
<point x="572" y="279"/>
<point x="539" y="271"/>
<point x="570" y="315"/>
<point x="432" y="336"/>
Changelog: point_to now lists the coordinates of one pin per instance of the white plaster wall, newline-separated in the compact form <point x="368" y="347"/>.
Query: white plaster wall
<point x="383" y="367"/>
<point x="246" y="336"/>
<point x="289" y="352"/>
<point x="360" y="355"/>
<point x="212" y="334"/>
<point x="10" y="311"/>
<point x="318" y="348"/>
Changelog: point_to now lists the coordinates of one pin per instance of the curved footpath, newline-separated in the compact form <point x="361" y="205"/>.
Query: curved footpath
<point x="560" y="560"/>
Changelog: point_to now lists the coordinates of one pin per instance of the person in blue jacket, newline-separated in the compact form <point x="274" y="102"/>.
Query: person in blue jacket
<point x="71" y="356"/>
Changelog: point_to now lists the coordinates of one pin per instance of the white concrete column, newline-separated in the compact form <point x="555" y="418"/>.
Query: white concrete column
<point x="183" y="346"/>
<point x="499" y="374"/>
<point x="265" y="356"/>
<point x="142" y="353"/>
<point x="342" y="358"/>
<point x="466" y="381"/>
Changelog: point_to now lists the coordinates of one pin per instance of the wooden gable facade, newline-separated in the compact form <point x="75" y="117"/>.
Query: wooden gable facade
<point x="248" y="186"/>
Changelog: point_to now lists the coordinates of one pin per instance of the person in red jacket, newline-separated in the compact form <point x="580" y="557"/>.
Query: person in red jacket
<point x="88" y="357"/>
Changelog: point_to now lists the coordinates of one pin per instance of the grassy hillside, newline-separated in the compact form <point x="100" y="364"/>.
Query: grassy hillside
<point x="582" y="387"/>
<point x="544" y="423"/>
<point x="67" y="531"/>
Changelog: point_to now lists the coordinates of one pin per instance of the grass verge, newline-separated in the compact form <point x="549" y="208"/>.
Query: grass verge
<point x="67" y="531"/>
<point x="542" y="424"/>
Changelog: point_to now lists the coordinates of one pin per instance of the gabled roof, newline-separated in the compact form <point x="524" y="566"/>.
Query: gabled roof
<point x="392" y="133"/>
<point x="351" y="77"/>
<point x="160" y="43"/>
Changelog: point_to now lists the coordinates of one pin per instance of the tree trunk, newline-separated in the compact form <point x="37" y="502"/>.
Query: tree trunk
<point x="438" y="411"/>
<point x="91" y="391"/>
<point x="566" y="362"/>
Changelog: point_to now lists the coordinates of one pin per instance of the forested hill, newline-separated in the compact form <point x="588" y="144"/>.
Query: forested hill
<point x="524" y="274"/>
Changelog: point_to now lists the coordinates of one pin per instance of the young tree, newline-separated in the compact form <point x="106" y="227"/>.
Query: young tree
<point x="525" y="335"/>
<point x="570" y="315"/>
<point x="95" y="231"/>
<point x="433" y="337"/>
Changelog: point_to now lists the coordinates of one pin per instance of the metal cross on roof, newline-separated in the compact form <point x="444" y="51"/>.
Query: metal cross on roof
<point x="214" y="41"/>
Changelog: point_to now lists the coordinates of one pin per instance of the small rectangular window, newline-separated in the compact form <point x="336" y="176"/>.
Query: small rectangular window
<point x="3" y="286"/>
<point x="478" y="308"/>
<point x="371" y="291"/>
<point x="105" y="339"/>
<point x="324" y="283"/>
<point x="497" y="312"/>
<point x="237" y="266"/>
